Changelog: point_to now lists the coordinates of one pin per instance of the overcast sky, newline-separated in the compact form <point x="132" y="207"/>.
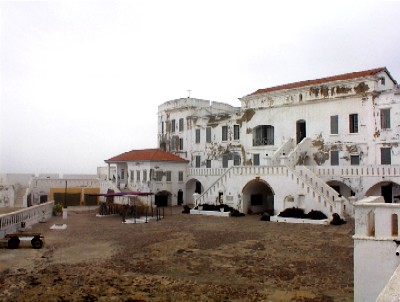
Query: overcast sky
<point x="81" y="81"/>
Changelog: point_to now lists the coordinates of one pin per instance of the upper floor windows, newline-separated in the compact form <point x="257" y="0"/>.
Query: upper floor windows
<point x="353" y="123"/>
<point x="236" y="132"/>
<point x="197" y="136"/>
<point x="385" y="118"/>
<point x="236" y="160"/>
<point x="386" y="156"/>
<point x="181" y="144"/>
<point x="263" y="135"/>
<point x="198" y="161"/>
<point x="225" y="161"/>
<point x="334" y="124"/>
<point x="181" y="125"/>
<point x="208" y="135"/>
<point x="224" y="133"/>
<point x="169" y="176"/>
<point x="334" y="157"/>
<point x="256" y="159"/>
<point x="173" y="126"/>
<point x="354" y="160"/>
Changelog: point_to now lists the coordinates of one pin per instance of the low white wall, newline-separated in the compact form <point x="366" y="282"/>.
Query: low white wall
<point x="11" y="222"/>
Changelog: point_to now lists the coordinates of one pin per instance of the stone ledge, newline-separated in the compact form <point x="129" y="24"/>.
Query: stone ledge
<point x="210" y="213"/>
<point x="298" y="220"/>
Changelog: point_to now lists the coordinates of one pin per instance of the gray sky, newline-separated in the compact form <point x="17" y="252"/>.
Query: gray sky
<point x="81" y="81"/>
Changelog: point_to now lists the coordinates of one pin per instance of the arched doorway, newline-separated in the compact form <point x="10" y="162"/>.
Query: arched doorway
<point x="300" y="130"/>
<point x="341" y="188"/>
<point x="390" y="191"/>
<point x="258" y="197"/>
<point x="193" y="186"/>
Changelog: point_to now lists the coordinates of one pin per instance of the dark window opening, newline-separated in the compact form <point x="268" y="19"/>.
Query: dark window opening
<point x="263" y="135"/>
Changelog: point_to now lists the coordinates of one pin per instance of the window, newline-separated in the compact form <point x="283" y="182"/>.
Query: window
<point x="180" y="176"/>
<point x="144" y="175"/>
<point x="386" y="156"/>
<point x="180" y="124"/>
<point x="236" y="132"/>
<point x="225" y="161"/>
<point x="162" y="127"/>
<point x="383" y="80"/>
<point x="353" y="123"/>
<point x="159" y="175"/>
<point x="173" y="126"/>
<point x="300" y="97"/>
<point x="197" y="136"/>
<point x="181" y="144"/>
<point x="208" y="135"/>
<point x="224" y="133"/>
<point x="208" y="163"/>
<point x="385" y="118"/>
<point x="256" y="159"/>
<point x="137" y="175"/>
<point x="131" y="176"/>
<point x="122" y="174"/>
<point x="198" y="159"/>
<point x="334" y="158"/>
<point x="236" y="160"/>
<point x="263" y="135"/>
<point x="354" y="160"/>
<point x="168" y="175"/>
<point x="334" y="124"/>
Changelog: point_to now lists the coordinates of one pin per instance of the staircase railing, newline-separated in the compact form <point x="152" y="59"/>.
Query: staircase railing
<point x="298" y="154"/>
<point x="201" y="198"/>
<point x="282" y="152"/>
<point x="329" y="195"/>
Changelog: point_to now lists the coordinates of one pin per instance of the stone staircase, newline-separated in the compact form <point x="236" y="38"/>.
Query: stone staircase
<point x="285" y="164"/>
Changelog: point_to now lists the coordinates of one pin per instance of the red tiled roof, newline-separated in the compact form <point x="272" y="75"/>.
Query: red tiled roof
<point x="146" y="155"/>
<point x="346" y="76"/>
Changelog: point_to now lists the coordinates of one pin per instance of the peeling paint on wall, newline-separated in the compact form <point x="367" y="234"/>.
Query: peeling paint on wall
<point x="361" y="88"/>
<point x="246" y="117"/>
<point x="343" y="89"/>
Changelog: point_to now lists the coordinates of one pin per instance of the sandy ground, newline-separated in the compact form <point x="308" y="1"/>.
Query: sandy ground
<point x="180" y="258"/>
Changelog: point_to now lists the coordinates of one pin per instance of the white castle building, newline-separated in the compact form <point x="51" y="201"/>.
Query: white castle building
<point x="318" y="144"/>
<point x="314" y="144"/>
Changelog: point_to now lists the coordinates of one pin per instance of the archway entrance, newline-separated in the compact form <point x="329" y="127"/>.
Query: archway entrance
<point x="341" y="188"/>
<point x="300" y="130"/>
<point x="389" y="190"/>
<point x="258" y="197"/>
<point x="193" y="186"/>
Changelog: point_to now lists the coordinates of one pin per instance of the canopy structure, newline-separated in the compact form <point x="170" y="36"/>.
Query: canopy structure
<point x="123" y="194"/>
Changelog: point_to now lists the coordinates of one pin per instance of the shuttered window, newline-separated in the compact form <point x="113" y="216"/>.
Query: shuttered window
<point x="208" y="135"/>
<point x="385" y="118"/>
<point x="353" y="123"/>
<point x="334" y="158"/>
<point x="386" y="156"/>
<point x="334" y="124"/>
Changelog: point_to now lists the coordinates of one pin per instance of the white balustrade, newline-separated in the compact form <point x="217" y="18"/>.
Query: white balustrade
<point x="11" y="222"/>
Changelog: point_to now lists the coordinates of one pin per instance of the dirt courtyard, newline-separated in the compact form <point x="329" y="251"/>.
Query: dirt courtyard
<point x="180" y="258"/>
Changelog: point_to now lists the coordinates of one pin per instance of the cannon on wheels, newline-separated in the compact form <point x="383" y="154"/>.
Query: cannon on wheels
<point x="13" y="240"/>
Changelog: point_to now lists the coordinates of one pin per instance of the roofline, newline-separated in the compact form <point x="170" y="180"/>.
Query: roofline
<point x="340" y="77"/>
<point x="147" y="160"/>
